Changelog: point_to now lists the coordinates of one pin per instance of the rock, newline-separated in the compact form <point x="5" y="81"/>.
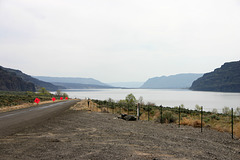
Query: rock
<point x="123" y="116"/>
<point x="127" y="117"/>
<point x="130" y="118"/>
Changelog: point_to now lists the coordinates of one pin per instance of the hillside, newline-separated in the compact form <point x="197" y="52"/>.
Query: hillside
<point x="224" y="79"/>
<point x="171" y="82"/>
<point x="90" y="81"/>
<point x="80" y="86"/>
<point x="9" y="81"/>
<point x="28" y="79"/>
<point x="75" y="82"/>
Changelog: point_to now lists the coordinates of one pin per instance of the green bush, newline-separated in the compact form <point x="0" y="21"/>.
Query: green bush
<point x="152" y="112"/>
<point x="206" y="120"/>
<point x="183" y="115"/>
<point x="168" y="117"/>
<point x="214" y="116"/>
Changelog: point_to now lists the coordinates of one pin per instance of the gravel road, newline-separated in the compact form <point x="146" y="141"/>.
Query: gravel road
<point x="80" y="134"/>
<point x="11" y="122"/>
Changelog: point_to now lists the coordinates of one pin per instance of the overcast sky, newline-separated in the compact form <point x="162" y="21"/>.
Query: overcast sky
<point x="118" y="40"/>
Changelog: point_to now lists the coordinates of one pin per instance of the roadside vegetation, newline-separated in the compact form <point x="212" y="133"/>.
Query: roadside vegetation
<point x="12" y="98"/>
<point x="179" y="114"/>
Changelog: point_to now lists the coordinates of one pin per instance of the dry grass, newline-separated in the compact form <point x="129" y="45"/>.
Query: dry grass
<point x="156" y="115"/>
<point x="82" y="105"/>
<point x="191" y="122"/>
<point x="221" y="127"/>
<point x="237" y="129"/>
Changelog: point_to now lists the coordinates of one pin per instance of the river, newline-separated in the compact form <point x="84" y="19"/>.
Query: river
<point x="165" y="97"/>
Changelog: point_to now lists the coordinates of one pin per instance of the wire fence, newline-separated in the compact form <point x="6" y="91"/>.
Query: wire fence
<point x="225" y="120"/>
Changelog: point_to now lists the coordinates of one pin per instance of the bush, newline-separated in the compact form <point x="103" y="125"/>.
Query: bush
<point x="206" y="120"/>
<point x="215" y="117"/>
<point x="168" y="117"/>
<point x="226" y="111"/>
<point x="152" y="112"/>
<point x="197" y="123"/>
<point x="184" y="115"/>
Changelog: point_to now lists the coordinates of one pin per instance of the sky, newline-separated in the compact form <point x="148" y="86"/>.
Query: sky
<point x="118" y="40"/>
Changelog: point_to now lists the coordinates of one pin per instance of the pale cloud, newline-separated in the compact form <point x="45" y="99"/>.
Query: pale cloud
<point x="122" y="40"/>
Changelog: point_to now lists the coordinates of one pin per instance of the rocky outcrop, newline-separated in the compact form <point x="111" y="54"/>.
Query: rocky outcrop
<point x="224" y="79"/>
<point x="9" y="81"/>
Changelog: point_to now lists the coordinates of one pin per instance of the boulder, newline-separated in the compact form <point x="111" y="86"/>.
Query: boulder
<point x="128" y="117"/>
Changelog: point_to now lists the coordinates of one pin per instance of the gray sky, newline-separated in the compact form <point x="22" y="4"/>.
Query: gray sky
<point x="118" y="40"/>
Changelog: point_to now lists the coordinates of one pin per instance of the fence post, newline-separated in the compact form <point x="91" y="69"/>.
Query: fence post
<point x="107" y="106"/>
<point x="232" y="123"/>
<point x="112" y="108"/>
<point x="148" y="112"/>
<point x="201" y="118"/>
<point x="128" y="109"/>
<point x="161" y="120"/>
<point x="138" y="111"/>
<point x="179" y="117"/>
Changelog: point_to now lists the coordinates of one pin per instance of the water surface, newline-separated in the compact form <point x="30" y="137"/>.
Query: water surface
<point x="165" y="97"/>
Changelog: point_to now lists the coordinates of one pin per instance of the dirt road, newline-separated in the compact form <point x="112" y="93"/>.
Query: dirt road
<point x="81" y="134"/>
<point x="11" y="122"/>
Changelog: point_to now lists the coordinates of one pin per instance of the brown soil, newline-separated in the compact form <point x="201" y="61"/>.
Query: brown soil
<point x="79" y="133"/>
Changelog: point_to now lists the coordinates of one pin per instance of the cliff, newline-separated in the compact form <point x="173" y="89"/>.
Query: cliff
<point x="9" y="81"/>
<point x="12" y="76"/>
<point x="224" y="79"/>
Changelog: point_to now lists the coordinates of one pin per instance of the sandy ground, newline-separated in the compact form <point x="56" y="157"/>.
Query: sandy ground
<point x="79" y="133"/>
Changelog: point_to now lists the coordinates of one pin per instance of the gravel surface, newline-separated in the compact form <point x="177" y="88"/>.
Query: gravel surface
<point x="80" y="134"/>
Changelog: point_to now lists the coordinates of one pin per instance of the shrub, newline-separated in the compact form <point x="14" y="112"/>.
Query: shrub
<point x="168" y="117"/>
<point x="197" y="123"/>
<point x="206" y="120"/>
<point x="214" y="116"/>
<point x="152" y="112"/>
<point x="184" y="115"/>
<point x="215" y="111"/>
<point x="226" y="110"/>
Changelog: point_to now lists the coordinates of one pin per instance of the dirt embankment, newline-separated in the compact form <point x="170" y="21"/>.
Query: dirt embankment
<point x="82" y="134"/>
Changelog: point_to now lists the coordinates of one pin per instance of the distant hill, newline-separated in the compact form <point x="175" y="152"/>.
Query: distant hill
<point x="80" y="86"/>
<point x="9" y="81"/>
<point x="28" y="79"/>
<point x="171" y="82"/>
<point x="74" y="82"/>
<point x="224" y="79"/>
<point x="71" y="80"/>
<point x="127" y="84"/>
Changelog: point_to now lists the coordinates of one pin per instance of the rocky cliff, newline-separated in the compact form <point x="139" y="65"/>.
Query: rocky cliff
<point x="12" y="77"/>
<point x="9" y="81"/>
<point x="224" y="79"/>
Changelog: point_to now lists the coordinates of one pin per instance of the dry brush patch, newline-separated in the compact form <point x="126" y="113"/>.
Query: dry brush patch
<point x="190" y="121"/>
